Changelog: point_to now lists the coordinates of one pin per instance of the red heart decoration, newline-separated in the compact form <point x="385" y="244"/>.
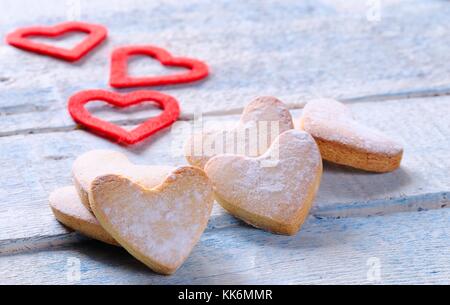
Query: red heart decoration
<point x="106" y="129"/>
<point x="96" y="34"/>
<point x="119" y="77"/>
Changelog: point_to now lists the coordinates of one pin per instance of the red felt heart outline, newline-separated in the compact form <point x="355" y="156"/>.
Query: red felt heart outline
<point x="96" y="35"/>
<point x="116" y="133"/>
<point x="119" y="77"/>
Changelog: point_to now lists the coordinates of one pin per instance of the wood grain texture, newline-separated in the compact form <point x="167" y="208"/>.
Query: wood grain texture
<point x="294" y="50"/>
<point x="34" y="165"/>
<point x="409" y="247"/>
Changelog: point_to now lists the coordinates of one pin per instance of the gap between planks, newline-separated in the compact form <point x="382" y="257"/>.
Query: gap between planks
<point x="424" y="93"/>
<point x="411" y="248"/>
<point x="224" y="220"/>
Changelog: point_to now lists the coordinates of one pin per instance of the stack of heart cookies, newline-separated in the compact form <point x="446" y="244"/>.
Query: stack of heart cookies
<point x="263" y="171"/>
<point x="277" y="196"/>
<point x="157" y="213"/>
<point x="271" y="183"/>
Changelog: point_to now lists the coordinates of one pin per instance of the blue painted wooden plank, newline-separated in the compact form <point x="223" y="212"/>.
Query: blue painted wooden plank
<point x="404" y="248"/>
<point x="322" y="48"/>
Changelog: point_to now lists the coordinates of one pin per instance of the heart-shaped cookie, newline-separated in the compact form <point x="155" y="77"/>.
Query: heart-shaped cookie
<point x="158" y="226"/>
<point x="119" y="77"/>
<point x="276" y="198"/>
<point x="97" y="163"/>
<point x="68" y="209"/>
<point x="261" y="122"/>
<point x="96" y="34"/>
<point x="106" y="129"/>
<point x="343" y="140"/>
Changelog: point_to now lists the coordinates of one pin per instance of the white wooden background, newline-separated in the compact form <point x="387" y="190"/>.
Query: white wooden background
<point x="394" y="73"/>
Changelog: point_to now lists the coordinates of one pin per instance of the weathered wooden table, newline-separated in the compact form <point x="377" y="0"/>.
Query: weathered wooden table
<point x="393" y="69"/>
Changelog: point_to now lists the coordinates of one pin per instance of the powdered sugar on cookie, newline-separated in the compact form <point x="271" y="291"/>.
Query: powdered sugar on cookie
<point x="275" y="193"/>
<point x="97" y="163"/>
<point x="261" y="122"/>
<point x="158" y="226"/>
<point x="330" y="120"/>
